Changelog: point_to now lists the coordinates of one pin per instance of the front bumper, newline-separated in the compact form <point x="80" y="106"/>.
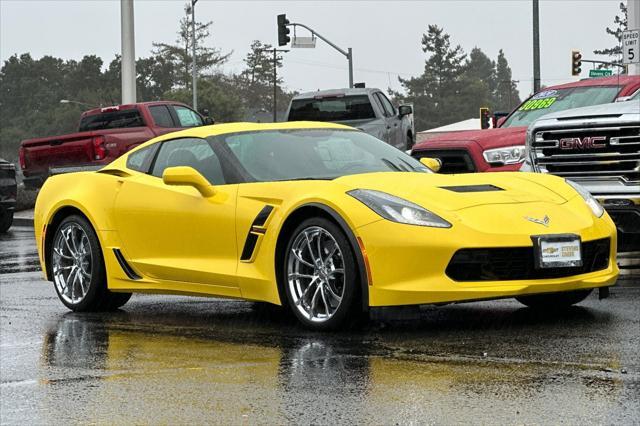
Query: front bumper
<point x="408" y="263"/>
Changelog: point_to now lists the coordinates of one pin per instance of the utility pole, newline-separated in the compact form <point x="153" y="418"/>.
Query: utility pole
<point x="128" y="64"/>
<point x="633" y="23"/>
<point x="194" y="76"/>
<point x="275" y="79"/>
<point x="536" y="46"/>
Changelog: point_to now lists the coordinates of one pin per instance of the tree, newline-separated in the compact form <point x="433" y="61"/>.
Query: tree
<point x="179" y="55"/>
<point x="478" y="83"/>
<point x="620" y="25"/>
<point x="435" y="94"/>
<point x="506" y="95"/>
<point x="257" y="78"/>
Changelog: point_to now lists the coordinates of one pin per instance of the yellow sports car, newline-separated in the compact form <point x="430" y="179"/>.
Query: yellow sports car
<point x="319" y="217"/>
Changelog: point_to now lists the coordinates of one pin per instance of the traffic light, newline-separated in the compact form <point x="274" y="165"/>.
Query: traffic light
<point x="283" y="31"/>
<point x="576" y="62"/>
<point x="485" y="118"/>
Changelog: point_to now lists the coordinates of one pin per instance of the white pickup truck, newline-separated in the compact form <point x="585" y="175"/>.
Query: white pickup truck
<point x="367" y="109"/>
<point x="597" y="147"/>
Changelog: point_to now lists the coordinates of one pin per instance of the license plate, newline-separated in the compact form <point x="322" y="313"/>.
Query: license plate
<point x="558" y="251"/>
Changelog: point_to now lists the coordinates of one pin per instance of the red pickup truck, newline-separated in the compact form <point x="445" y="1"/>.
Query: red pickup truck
<point x="103" y="135"/>
<point x="503" y="148"/>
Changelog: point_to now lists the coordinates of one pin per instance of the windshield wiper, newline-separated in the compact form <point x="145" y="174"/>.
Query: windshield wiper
<point x="306" y="178"/>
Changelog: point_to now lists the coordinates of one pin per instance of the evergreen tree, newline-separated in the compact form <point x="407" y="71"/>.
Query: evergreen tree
<point x="620" y="25"/>
<point x="506" y="95"/>
<point x="179" y="55"/>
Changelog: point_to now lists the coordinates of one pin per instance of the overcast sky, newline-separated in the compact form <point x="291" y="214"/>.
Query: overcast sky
<point x="385" y="35"/>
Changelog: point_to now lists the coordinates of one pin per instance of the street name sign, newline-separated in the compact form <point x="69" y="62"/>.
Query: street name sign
<point x="600" y="73"/>
<point x="631" y="47"/>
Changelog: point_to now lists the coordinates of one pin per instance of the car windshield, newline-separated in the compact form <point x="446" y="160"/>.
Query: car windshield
<point x="336" y="108"/>
<point x="555" y="100"/>
<point x="312" y="154"/>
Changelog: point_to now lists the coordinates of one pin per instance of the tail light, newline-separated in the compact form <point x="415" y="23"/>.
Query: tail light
<point x="23" y="161"/>
<point x="99" y="150"/>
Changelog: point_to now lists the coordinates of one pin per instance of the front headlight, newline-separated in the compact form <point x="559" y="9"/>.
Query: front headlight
<point x="593" y="204"/>
<point x="507" y="155"/>
<point x="397" y="209"/>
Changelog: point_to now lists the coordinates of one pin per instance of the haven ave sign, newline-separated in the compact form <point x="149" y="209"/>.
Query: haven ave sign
<point x="631" y="47"/>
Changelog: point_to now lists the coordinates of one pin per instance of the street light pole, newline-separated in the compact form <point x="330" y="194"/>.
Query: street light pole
<point x="128" y="64"/>
<point x="536" y="46"/>
<point x="194" y="82"/>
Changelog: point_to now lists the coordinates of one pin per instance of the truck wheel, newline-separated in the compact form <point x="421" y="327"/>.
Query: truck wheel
<point x="554" y="301"/>
<point x="6" y="220"/>
<point x="409" y="141"/>
<point x="78" y="269"/>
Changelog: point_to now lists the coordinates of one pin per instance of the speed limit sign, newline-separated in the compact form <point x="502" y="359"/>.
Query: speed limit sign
<point x="631" y="47"/>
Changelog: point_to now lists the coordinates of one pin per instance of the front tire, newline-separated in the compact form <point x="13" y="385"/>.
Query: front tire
<point x="78" y="269"/>
<point x="320" y="275"/>
<point x="554" y="301"/>
<point x="6" y="220"/>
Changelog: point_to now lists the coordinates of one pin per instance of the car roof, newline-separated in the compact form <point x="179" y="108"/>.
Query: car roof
<point x="621" y="80"/>
<point x="331" y="93"/>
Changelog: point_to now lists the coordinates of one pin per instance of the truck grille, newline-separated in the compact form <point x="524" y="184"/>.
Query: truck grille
<point x="589" y="152"/>
<point x="453" y="160"/>
<point x="518" y="263"/>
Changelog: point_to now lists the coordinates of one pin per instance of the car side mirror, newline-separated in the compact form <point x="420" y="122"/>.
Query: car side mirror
<point x="188" y="176"/>
<point x="433" y="163"/>
<point x="208" y="121"/>
<point x="404" y="110"/>
<point x="499" y="118"/>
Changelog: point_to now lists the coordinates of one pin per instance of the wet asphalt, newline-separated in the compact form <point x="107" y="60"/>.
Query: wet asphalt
<point x="179" y="360"/>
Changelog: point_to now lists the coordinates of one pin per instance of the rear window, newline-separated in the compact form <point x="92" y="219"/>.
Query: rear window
<point x="112" y="120"/>
<point x="332" y="109"/>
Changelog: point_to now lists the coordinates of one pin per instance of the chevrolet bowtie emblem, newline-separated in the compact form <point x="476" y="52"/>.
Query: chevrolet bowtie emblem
<point x="544" y="221"/>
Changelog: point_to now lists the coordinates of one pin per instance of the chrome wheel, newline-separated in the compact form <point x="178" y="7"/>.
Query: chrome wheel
<point x="72" y="263"/>
<point x="315" y="274"/>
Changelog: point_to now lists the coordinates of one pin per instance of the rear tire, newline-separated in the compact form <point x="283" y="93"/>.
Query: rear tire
<point x="554" y="301"/>
<point x="78" y="269"/>
<point x="6" y="220"/>
<point x="320" y="275"/>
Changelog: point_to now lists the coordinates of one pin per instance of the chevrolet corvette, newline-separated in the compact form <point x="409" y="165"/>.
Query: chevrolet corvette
<point x="321" y="218"/>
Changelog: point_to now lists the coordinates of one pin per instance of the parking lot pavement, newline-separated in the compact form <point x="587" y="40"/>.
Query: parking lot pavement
<point x="168" y="359"/>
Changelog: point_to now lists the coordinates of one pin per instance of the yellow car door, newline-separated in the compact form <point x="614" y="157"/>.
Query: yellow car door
<point x="173" y="232"/>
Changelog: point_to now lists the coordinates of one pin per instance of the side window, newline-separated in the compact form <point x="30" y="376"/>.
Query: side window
<point x="187" y="117"/>
<point x="376" y="100"/>
<point x="138" y="159"/>
<point x="191" y="152"/>
<point x="161" y="116"/>
<point x="388" y="106"/>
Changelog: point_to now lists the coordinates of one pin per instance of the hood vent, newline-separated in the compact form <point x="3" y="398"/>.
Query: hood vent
<point x="472" y="188"/>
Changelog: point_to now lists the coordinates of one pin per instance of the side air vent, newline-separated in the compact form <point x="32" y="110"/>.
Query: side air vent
<point x="257" y="229"/>
<point x="125" y="266"/>
<point x="472" y="188"/>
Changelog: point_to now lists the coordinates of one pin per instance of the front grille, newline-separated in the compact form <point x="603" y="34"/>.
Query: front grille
<point x="589" y="152"/>
<point x="453" y="160"/>
<point x="518" y="263"/>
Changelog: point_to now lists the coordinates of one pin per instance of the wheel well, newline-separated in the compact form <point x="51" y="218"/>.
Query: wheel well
<point x="289" y="225"/>
<point x="57" y="218"/>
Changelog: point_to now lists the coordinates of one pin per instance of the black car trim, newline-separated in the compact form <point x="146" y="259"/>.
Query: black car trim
<point x="255" y="231"/>
<point x="125" y="265"/>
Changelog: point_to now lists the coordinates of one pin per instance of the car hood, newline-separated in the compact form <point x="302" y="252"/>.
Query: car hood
<point x="455" y="192"/>
<point x="487" y="139"/>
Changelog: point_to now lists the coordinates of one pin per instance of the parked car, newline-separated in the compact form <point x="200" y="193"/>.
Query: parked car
<point x="103" y="135"/>
<point x="599" y="148"/>
<point x="8" y="193"/>
<point x="368" y="109"/>
<point x="502" y="148"/>
<point x="323" y="219"/>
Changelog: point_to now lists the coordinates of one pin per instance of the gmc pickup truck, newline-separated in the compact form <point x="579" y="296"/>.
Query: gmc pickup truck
<point x="502" y="148"/>
<point x="367" y="109"/>
<point x="103" y="135"/>
<point x="599" y="148"/>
